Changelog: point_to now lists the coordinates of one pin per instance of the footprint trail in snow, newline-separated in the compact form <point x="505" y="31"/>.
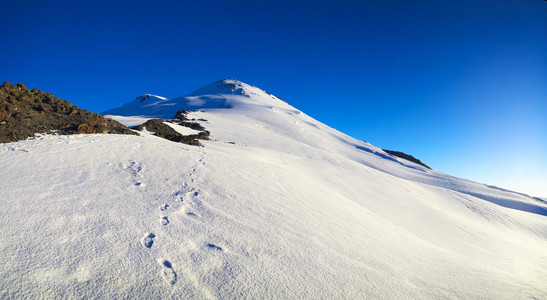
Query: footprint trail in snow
<point x="185" y="193"/>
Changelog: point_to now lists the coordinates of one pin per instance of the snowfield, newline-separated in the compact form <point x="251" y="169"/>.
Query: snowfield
<point x="276" y="205"/>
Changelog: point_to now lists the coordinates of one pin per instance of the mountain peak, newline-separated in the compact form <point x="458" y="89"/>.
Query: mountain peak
<point x="224" y="86"/>
<point x="232" y="86"/>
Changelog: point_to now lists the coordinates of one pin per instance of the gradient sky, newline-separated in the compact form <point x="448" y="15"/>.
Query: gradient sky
<point x="462" y="85"/>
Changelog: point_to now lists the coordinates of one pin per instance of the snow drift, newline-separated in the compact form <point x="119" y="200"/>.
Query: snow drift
<point x="275" y="205"/>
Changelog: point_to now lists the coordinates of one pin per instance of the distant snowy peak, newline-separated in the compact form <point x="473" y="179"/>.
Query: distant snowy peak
<point x="232" y="87"/>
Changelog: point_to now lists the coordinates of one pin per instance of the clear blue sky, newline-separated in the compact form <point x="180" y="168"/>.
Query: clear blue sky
<point x="461" y="85"/>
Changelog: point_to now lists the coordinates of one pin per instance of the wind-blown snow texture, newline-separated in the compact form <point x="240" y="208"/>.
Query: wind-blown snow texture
<point x="276" y="205"/>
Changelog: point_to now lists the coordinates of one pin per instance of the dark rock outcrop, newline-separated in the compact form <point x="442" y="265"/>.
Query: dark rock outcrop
<point x="182" y="119"/>
<point x="24" y="113"/>
<point x="407" y="157"/>
<point x="159" y="128"/>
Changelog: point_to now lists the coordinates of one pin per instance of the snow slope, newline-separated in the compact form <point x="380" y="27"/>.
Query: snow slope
<point x="276" y="205"/>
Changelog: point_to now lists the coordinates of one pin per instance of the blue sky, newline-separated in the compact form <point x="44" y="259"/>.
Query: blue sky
<point x="461" y="85"/>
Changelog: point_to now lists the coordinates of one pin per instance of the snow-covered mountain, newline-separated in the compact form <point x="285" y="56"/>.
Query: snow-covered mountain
<point x="225" y="93"/>
<point x="275" y="205"/>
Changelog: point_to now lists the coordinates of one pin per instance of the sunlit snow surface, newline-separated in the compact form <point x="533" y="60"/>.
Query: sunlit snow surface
<point x="276" y="205"/>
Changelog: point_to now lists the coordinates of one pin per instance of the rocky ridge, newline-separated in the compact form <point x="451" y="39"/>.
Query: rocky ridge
<point x="25" y="113"/>
<point x="407" y="157"/>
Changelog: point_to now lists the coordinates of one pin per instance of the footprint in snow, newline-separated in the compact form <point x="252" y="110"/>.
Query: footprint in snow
<point x="167" y="272"/>
<point x="214" y="247"/>
<point x="164" y="221"/>
<point x="179" y="196"/>
<point x="191" y="214"/>
<point x="191" y="194"/>
<point x="147" y="240"/>
<point x="135" y="168"/>
<point x="164" y="207"/>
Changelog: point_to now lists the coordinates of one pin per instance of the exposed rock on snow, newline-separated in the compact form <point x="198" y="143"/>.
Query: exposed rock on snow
<point x="181" y="117"/>
<point x="24" y="113"/>
<point x="407" y="157"/>
<point x="161" y="129"/>
<point x="148" y="97"/>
